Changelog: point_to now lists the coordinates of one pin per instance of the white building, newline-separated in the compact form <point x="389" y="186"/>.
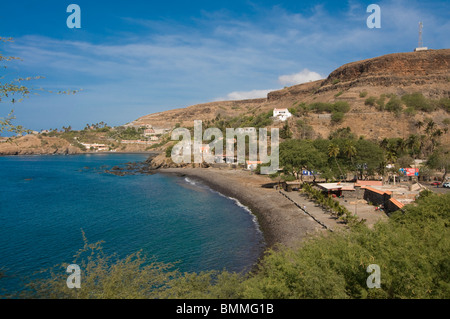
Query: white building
<point x="95" y="147"/>
<point x="252" y="165"/>
<point x="149" y="132"/>
<point x="245" y="130"/>
<point x="281" y="114"/>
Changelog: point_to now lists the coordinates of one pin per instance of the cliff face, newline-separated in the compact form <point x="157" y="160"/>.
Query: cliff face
<point x="403" y="70"/>
<point x="424" y="71"/>
<point x="429" y="65"/>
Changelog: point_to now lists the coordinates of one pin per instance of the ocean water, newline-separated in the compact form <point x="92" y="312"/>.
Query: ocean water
<point x="47" y="201"/>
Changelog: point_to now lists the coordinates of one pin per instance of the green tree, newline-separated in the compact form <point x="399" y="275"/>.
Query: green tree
<point x="440" y="159"/>
<point x="391" y="157"/>
<point x="368" y="157"/>
<point x="350" y="151"/>
<point x="285" y="132"/>
<point x="297" y="155"/>
<point x="333" y="151"/>
<point x="414" y="145"/>
<point x="410" y="248"/>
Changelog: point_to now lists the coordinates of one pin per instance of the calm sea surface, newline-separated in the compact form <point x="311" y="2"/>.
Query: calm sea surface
<point x="46" y="202"/>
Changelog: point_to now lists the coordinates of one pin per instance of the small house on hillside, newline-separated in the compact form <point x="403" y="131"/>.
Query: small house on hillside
<point x="245" y="130"/>
<point x="281" y="114"/>
<point x="149" y="132"/>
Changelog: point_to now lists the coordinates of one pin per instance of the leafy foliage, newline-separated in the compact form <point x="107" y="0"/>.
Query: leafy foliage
<point x="394" y="105"/>
<point x="337" y="117"/>
<point x="370" y="101"/>
<point x="411" y="249"/>
<point x="296" y="155"/>
<point x="417" y="101"/>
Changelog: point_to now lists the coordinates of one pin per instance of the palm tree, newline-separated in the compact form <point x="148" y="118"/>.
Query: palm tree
<point x="391" y="157"/>
<point x="333" y="151"/>
<point x="413" y="143"/>
<point x="401" y="145"/>
<point x="434" y="138"/>
<point x="382" y="170"/>
<point x="350" y="151"/>
<point x="419" y="125"/>
<point x="430" y="127"/>
<point x="384" y="143"/>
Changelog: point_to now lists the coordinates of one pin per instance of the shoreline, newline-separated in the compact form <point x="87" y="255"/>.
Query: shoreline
<point x="279" y="220"/>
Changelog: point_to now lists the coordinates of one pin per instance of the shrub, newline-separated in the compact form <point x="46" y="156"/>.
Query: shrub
<point x="341" y="106"/>
<point x="293" y="111"/>
<point x="335" y="81"/>
<point x="370" y="101"/>
<point x="394" y="105"/>
<point x="334" y="266"/>
<point x="302" y="108"/>
<point x="321" y="107"/>
<point x="410" y="111"/>
<point x="363" y="94"/>
<point x="443" y="103"/>
<point x="418" y="102"/>
<point x="380" y="102"/>
<point x="337" y="117"/>
<point x="169" y="151"/>
<point x="285" y="132"/>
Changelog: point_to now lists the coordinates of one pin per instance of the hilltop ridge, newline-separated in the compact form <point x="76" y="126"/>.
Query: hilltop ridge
<point x="427" y="72"/>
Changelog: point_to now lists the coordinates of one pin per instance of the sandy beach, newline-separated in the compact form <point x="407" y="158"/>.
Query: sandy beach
<point x="279" y="219"/>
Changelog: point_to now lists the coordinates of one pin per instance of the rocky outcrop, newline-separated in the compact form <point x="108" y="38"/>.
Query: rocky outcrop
<point x="422" y="68"/>
<point x="37" y="145"/>
<point x="161" y="161"/>
<point x="295" y="91"/>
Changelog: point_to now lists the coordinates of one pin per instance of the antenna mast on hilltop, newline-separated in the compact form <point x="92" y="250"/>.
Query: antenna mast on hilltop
<point x="420" y="34"/>
<point x="420" y="47"/>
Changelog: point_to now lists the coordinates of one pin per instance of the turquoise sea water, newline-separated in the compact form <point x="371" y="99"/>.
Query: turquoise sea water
<point x="46" y="202"/>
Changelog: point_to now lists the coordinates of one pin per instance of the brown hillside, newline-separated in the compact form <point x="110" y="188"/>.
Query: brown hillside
<point x="427" y="72"/>
<point x="32" y="145"/>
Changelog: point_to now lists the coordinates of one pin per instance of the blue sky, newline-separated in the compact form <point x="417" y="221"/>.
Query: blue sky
<point x="132" y="58"/>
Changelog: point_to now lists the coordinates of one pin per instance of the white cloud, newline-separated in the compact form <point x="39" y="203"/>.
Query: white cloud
<point x="245" y="95"/>
<point x="300" y="77"/>
<point x="291" y="79"/>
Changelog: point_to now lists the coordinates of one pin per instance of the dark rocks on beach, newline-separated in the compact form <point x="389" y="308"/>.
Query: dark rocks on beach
<point x="131" y="169"/>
